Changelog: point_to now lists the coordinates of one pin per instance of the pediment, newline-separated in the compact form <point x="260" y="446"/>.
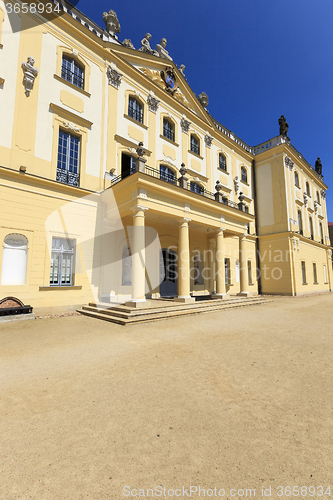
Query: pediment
<point x="152" y="67"/>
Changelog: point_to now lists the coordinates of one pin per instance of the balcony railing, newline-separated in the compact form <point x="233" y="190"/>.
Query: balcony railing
<point x="156" y="174"/>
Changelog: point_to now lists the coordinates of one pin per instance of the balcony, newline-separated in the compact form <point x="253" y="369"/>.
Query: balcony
<point x="178" y="183"/>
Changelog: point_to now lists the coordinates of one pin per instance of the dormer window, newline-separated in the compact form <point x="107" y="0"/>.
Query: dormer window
<point x="72" y="72"/>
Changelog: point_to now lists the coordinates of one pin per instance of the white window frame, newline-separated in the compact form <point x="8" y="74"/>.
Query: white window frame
<point x="61" y="252"/>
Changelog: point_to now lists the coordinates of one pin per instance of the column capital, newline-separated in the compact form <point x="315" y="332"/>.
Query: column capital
<point x="184" y="220"/>
<point x="139" y="208"/>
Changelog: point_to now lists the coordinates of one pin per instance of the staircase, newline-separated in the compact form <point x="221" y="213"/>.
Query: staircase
<point x="124" y="315"/>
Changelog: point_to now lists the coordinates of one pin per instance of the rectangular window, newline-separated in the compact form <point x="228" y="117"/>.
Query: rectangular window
<point x="311" y="227"/>
<point x="72" y="72"/>
<point x="303" y="273"/>
<point x="325" y="275"/>
<point x="135" y="109"/>
<point x="315" y="273"/>
<point x="321" y="233"/>
<point x="62" y="256"/>
<point x="227" y="271"/>
<point x="249" y="272"/>
<point x="300" y="225"/>
<point x="68" y="158"/>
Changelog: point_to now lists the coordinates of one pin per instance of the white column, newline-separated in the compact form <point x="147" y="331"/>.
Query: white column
<point x="244" y="285"/>
<point x="184" y="263"/>
<point x="138" y="260"/>
<point x="220" y="269"/>
<point x="212" y="247"/>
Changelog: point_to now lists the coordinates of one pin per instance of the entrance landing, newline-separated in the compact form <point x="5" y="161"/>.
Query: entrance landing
<point x="163" y="309"/>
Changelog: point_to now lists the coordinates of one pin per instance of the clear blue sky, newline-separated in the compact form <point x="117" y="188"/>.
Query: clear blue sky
<point x="256" y="60"/>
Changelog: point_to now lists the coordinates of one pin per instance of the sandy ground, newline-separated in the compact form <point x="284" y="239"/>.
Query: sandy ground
<point x="234" y="399"/>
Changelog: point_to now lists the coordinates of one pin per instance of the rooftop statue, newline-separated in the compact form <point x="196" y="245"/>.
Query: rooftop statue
<point x="145" y="46"/>
<point x="283" y="126"/>
<point x="30" y="74"/>
<point x="111" y="22"/>
<point x="181" y="69"/>
<point x="318" y="166"/>
<point x="161" y="50"/>
<point x="127" y="43"/>
<point x="203" y="98"/>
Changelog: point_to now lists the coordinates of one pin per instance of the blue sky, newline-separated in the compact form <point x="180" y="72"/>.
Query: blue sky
<point x="256" y="60"/>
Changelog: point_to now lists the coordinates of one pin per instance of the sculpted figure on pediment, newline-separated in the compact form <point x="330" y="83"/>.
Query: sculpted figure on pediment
<point x="145" y="46"/>
<point x="162" y="52"/>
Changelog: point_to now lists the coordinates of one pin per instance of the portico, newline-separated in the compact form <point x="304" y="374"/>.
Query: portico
<point x="199" y="249"/>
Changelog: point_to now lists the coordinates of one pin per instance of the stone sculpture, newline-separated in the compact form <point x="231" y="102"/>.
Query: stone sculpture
<point x="111" y="22"/>
<point x="145" y="46"/>
<point x="283" y="126"/>
<point x="181" y="69"/>
<point x="127" y="43"/>
<point x="161" y="50"/>
<point x="318" y="166"/>
<point x="236" y="183"/>
<point x="203" y="98"/>
<point x="140" y="150"/>
<point x="30" y="74"/>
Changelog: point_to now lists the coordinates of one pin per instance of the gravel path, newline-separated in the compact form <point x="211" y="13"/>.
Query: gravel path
<point x="232" y="400"/>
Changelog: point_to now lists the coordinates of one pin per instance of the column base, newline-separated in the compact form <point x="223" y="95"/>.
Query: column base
<point x="220" y="296"/>
<point x="138" y="304"/>
<point x="244" y="294"/>
<point x="185" y="300"/>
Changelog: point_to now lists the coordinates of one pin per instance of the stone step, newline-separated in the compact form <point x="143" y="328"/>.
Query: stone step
<point x="124" y="310"/>
<point x="138" y="316"/>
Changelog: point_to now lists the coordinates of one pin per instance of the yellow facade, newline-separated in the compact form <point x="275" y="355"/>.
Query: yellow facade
<point x="211" y="235"/>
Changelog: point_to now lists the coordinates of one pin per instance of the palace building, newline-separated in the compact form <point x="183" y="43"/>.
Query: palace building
<point x="117" y="185"/>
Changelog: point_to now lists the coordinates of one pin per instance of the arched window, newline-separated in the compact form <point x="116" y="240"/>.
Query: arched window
<point x="168" y="130"/>
<point x="195" y="145"/>
<point x="222" y="162"/>
<point x="72" y="71"/>
<point x="307" y="186"/>
<point x="196" y="188"/>
<point x="296" y="179"/>
<point x="167" y="175"/>
<point x="126" y="275"/>
<point x="243" y="174"/>
<point x="14" y="260"/>
<point x="318" y="197"/>
<point x="135" y="109"/>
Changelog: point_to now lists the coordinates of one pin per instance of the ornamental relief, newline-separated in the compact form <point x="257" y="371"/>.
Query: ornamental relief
<point x="156" y="77"/>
